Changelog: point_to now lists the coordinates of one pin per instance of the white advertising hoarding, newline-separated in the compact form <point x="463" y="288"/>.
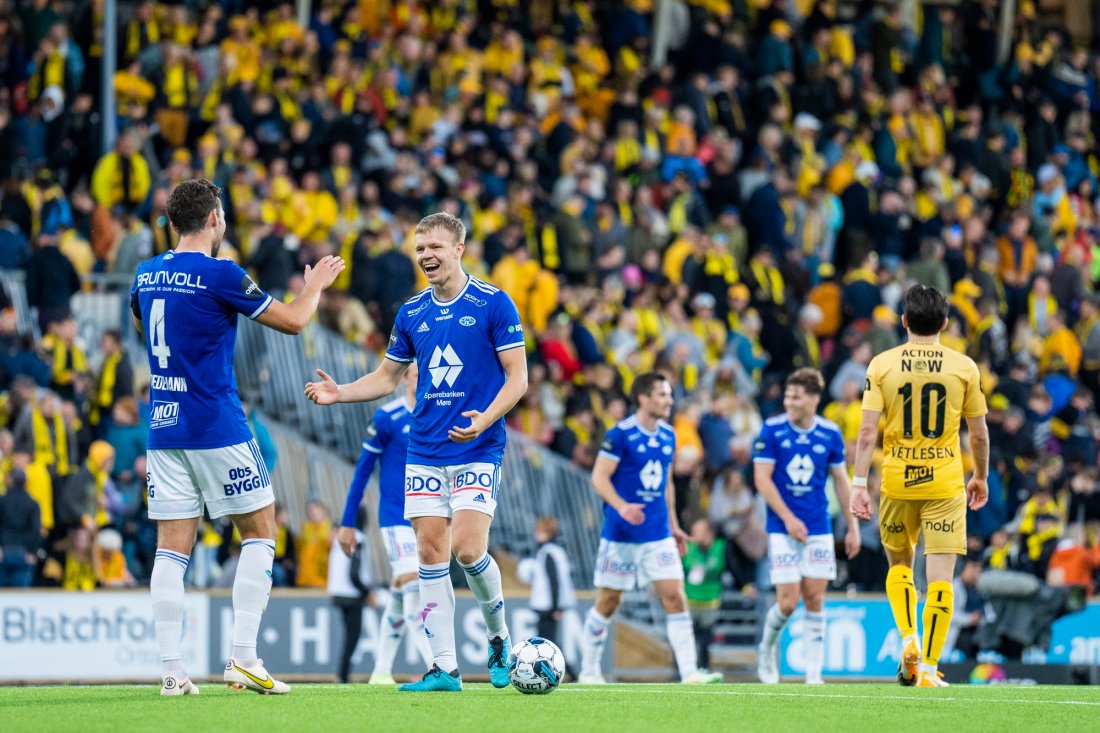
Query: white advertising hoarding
<point x="92" y="636"/>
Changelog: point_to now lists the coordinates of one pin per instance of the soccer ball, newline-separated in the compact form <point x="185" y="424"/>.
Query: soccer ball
<point x="536" y="666"/>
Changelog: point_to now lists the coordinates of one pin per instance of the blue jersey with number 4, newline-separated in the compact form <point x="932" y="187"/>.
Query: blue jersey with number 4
<point x="641" y="476"/>
<point x="456" y="346"/>
<point x="802" y="460"/>
<point x="188" y="304"/>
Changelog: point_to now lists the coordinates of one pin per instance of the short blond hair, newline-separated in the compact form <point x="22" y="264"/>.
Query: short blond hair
<point x="443" y="220"/>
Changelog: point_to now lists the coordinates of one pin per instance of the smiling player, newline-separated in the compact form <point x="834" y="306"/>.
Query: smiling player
<point x="468" y="341"/>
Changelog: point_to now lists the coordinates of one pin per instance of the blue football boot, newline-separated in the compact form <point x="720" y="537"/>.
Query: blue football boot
<point x="499" y="649"/>
<point x="435" y="680"/>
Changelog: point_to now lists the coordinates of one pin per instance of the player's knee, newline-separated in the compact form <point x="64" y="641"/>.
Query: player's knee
<point x="468" y="555"/>
<point x="787" y="606"/>
<point x="674" y="603"/>
<point x="814" y="604"/>
<point x="607" y="604"/>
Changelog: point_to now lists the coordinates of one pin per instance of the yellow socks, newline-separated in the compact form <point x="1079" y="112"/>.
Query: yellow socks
<point x="938" y="608"/>
<point x="903" y="600"/>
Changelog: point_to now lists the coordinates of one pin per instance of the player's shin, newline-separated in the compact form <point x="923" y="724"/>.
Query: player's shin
<point x="773" y="626"/>
<point x="681" y="637"/>
<point x="902" y="595"/>
<point x="483" y="575"/>
<point x="166" y="585"/>
<point x="813" y="645"/>
<point x="391" y="629"/>
<point x="593" y="641"/>
<point x="938" y="608"/>
<point x="437" y="599"/>
<point x="414" y="622"/>
<point x="251" y="589"/>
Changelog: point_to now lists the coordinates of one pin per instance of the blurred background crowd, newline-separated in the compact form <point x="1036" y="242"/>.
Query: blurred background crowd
<point x="724" y="190"/>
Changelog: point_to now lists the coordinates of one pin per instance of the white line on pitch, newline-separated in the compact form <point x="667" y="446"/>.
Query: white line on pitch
<point x="847" y="697"/>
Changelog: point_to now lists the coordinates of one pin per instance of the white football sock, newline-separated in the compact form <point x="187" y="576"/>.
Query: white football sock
<point x="437" y="598"/>
<point x="251" y="589"/>
<point x="483" y="575"/>
<point x="929" y="670"/>
<point x="391" y="628"/>
<point x="773" y="626"/>
<point x="813" y="644"/>
<point x="593" y="641"/>
<point x="166" y="585"/>
<point x="414" y="622"/>
<point x="681" y="637"/>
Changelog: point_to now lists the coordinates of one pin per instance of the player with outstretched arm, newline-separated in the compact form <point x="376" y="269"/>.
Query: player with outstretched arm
<point x="467" y="338"/>
<point x="201" y="451"/>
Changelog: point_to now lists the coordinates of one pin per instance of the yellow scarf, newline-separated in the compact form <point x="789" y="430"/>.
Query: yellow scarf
<point x="62" y="372"/>
<point x="101" y="516"/>
<point x="769" y="281"/>
<point x="106" y="392"/>
<point x="44" y="446"/>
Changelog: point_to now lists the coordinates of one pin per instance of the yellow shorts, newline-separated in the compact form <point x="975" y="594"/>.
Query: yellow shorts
<point x="943" y="522"/>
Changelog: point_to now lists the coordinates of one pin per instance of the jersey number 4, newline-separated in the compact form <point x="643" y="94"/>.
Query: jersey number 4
<point x="933" y="406"/>
<point x="158" y="347"/>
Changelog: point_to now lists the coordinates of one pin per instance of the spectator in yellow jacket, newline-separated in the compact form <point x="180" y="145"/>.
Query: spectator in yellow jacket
<point x="1060" y="345"/>
<point x="122" y="175"/>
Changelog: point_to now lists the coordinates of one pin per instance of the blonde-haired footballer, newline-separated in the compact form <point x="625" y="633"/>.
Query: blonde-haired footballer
<point x="925" y="391"/>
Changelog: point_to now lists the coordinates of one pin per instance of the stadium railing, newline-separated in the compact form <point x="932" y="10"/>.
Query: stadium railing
<point x="272" y="369"/>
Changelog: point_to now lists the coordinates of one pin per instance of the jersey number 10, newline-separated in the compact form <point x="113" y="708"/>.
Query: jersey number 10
<point x="158" y="347"/>
<point x="933" y="408"/>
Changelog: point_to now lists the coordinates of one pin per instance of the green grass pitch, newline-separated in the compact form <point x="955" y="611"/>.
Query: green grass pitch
<point x="629" y="708"/>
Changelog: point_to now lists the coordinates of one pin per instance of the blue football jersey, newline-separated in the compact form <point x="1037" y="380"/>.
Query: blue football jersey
<point x="387" y="441"/>
<point x="188" y="304"/>
<point x="645" y="461"/>
<point x="802" y="461"/>
<point x="455" y="344"/>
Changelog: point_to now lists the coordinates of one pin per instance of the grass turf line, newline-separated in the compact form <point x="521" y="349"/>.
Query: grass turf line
<point x="482" y="709"/>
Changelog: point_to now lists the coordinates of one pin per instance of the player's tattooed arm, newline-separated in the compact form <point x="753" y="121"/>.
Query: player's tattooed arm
<point x="977" y="490"/>
<point x="860" y="503"/>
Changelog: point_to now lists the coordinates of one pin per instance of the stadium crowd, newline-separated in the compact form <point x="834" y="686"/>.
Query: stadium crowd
<point x="756" y="203"/>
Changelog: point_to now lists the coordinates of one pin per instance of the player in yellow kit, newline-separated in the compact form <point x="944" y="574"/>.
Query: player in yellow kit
<point x="925" y="391"/>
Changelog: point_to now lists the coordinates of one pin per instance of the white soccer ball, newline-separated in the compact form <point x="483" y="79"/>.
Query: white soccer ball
<point x="536" y="666"/>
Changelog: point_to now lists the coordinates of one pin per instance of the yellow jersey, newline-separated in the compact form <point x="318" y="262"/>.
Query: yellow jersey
<point x="924" y="391"/>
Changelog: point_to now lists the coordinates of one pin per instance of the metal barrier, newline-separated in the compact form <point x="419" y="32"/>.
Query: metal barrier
<point x="272" y="369"/>
<point x="26" y="318"/>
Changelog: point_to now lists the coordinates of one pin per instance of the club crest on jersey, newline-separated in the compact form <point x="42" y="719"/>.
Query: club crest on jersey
<point x="467" y="320"/>
<point x="445" y="366"/>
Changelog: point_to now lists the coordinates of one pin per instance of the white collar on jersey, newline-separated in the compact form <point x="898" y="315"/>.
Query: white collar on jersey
<point x="454" y="299"/>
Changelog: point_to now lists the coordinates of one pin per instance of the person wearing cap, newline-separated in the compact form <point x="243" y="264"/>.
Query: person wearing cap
<point x="774" y="54"/>
<point x="708" y="327"/>
<point x="883" y="335"/>
<point x="20" y="532"/>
